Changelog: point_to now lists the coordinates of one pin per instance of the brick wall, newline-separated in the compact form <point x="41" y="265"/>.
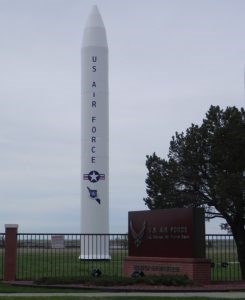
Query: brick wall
<point x="199" y="270"/>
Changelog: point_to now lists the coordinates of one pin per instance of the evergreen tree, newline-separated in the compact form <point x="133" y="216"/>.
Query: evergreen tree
<point x="205" y="168"/>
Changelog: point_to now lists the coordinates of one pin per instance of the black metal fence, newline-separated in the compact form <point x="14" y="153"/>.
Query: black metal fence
<point x="221" y="250"/>
<point x="57" y="255"/>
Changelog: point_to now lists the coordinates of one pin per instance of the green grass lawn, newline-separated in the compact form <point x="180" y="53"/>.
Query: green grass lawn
<point x="111" y="298"/>
<point x="37" y="263"/>
<point x="226" y="266"/>
<point x="34" y="263"/>
<point x="65" y="263"/>
<point x="8" y="288"/>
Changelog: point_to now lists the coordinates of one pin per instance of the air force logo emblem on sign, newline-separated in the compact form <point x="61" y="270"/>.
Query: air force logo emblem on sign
<point x="94" y="176"/>
<point x="137" y="236"/>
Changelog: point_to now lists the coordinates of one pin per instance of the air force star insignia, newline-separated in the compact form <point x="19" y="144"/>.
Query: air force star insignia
<point x="94" y="176"/>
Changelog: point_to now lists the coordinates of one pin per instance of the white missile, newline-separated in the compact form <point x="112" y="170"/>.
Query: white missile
<point x="95" y="140"/>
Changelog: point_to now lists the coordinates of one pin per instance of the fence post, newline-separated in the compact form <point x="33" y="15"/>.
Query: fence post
<point x="10" y="252"/>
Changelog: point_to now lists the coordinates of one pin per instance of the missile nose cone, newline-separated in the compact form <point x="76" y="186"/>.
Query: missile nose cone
<point x="95" y="19"/>
<point x="94" y="32"/>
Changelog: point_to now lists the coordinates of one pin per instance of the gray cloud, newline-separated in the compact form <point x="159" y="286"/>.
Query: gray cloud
<point x="169" y="61"/>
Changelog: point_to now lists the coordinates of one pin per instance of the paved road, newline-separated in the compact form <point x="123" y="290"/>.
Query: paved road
<point x="227" y="295"/>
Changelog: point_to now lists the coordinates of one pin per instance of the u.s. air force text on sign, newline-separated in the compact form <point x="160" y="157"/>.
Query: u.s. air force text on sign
<point x="176" y="232"/>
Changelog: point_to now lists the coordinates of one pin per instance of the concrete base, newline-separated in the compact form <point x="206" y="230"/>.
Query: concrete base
<point x="95" y="257"/>
<point x="197" y="269"/>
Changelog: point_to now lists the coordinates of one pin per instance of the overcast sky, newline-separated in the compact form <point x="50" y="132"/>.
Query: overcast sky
<point x="169" y="61"/>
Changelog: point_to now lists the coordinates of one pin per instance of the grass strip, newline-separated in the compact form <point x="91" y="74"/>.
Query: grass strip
<point x="8" y="288"/>
<point x="111" y="298"/>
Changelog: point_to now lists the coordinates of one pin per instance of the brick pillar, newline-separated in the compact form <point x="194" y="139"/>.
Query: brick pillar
<point x="10" y="252"/>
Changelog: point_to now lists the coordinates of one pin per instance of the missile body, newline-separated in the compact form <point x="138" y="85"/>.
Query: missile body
<point x="95" y="140"/>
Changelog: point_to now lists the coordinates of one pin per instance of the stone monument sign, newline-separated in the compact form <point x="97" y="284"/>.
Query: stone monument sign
<point x="173" y="232"/>
<point x="168" y="242"/>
